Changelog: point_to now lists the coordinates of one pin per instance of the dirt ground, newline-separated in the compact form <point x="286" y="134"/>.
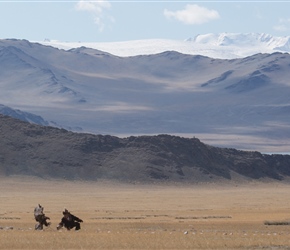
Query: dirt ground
<point x="131" y="216"/>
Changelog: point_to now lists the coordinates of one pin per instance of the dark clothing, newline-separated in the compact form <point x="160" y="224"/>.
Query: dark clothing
<point x="41" y="218"/>
<point x="70" y="221"/>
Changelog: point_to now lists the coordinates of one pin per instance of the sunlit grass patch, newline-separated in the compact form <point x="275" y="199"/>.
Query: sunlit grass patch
<point x="145" y="217"/>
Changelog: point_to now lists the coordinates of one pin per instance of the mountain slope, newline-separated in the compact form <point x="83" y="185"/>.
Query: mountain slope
<point x="241" y="103"/>
<point x="28" y="149"/>
<point x="24" y="116"/>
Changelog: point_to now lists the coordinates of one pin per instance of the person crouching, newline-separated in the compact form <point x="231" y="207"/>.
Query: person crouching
<point x="69" y="221"/>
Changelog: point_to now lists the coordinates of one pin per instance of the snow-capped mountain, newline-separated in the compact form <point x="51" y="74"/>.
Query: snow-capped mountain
<point x="242" y="103"/>
<point x="223" y="45"/>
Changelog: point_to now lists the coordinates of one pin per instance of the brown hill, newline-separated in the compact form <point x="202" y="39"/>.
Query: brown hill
<point x="47" y="152"/>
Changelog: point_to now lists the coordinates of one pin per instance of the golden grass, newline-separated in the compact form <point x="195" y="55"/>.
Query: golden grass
<point x="119" y="216"/>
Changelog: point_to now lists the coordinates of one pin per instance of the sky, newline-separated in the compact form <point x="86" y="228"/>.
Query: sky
<point x="112" y="21"/>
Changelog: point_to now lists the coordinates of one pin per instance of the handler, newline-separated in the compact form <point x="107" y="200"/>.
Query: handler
<point x="69" y="221"/>
<point x="40" y="217"/>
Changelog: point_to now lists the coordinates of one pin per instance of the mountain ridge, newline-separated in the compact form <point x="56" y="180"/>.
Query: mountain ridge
<point x="47" y="152"/>
<point x="241" y="103"/>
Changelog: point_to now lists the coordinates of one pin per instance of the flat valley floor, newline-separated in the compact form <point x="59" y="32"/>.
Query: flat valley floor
<point x="135" y="216"/>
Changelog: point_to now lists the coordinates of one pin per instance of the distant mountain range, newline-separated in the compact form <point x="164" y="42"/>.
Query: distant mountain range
<point x="222" y="45"/>
<point x="47" y="152"/>
<point x="241" y="103"/>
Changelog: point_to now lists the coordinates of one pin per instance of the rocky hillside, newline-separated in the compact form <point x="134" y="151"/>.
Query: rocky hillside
<point x="29" y="149"/>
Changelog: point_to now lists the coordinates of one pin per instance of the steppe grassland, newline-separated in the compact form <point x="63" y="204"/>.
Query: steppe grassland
<point x="131" y="216"/>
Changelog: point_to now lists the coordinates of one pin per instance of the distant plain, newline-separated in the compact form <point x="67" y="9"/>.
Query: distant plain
<point x="135" y="216"/>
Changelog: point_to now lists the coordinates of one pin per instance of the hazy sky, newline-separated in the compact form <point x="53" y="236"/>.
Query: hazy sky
<point x="108" y="21"/>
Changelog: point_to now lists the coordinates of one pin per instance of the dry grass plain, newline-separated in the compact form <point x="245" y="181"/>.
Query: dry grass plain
<point x="123" y="216"/>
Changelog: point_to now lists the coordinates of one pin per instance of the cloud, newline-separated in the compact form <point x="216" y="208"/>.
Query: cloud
<point x="97" y="8"/>
<point x="192" y="14"/>
<point x="284" y="25"/>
